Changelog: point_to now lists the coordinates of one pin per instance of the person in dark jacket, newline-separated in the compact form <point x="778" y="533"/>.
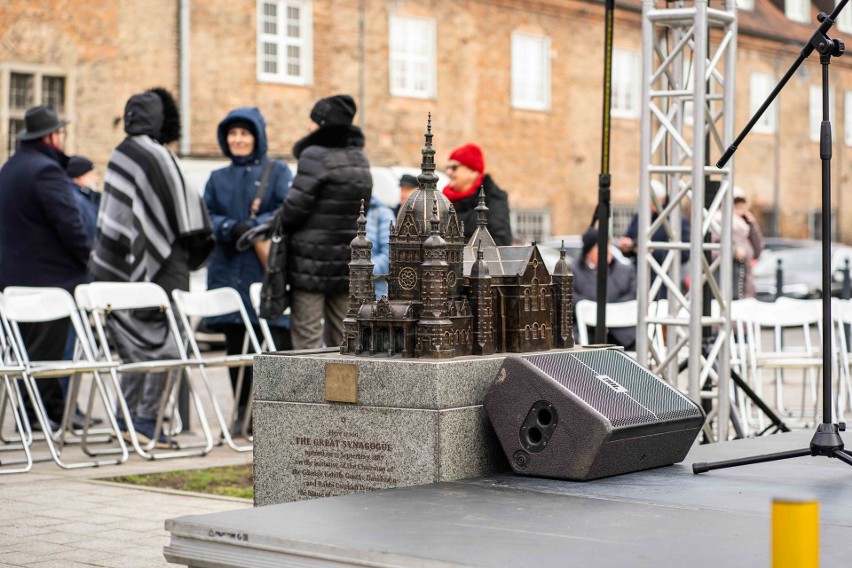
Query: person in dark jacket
<point x="466" y="170"/>
<point x="621" y="284"/>
<point x="42" y="238"/>
<point x="230" y="198"/>
<point x="320" y="216"/>
<point x="82" y="172"/>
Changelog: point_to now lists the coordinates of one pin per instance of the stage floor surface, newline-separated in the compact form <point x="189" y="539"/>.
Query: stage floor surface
<point x="662" y="517"/>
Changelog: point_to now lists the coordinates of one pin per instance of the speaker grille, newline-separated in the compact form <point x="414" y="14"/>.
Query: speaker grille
<point x="595" y="377"/>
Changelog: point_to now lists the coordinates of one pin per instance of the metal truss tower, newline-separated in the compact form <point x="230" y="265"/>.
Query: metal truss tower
<point x="688" y="66"/>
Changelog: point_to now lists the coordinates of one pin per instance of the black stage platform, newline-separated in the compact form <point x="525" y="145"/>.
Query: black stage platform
<point x="662" y="517"/>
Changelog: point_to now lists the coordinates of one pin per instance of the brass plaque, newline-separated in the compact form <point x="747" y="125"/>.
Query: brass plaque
<point x="341" y="382"/>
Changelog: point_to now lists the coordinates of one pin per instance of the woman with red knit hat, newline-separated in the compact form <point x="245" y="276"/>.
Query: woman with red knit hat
<point x="466" y="170"/>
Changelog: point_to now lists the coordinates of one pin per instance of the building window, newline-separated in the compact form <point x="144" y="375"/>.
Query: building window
<point x="847" y="118"/>
<point x="28" y="88"/>
<point x="815" y="108"/>
<point x="284" y="41"/>
<point x="815" y="224"/>
<point x="412" y="57"/>
<point x="745" y="5"/>
<point x="761" y="84"/>
<point x="530" y="225"/>
<point x="844" y="21"/>
<point x="530" y="71"/>
<point x="798" y="10"/>
<point x="625" y="83"/>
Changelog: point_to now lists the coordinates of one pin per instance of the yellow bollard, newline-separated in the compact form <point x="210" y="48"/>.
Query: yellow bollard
<point x="795" y="534"/>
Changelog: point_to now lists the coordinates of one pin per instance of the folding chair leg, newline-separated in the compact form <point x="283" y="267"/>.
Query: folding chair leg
<point x="145" y="451"/>
<point x="220" y="417"/>
<point x="11" y="398"/>
<point x="55" y="448"/>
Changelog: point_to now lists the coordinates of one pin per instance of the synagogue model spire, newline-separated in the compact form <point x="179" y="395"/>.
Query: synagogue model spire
<point x="428" y="179"/>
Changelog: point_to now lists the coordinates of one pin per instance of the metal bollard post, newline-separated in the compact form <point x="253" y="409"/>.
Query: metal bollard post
<point x="846" y="292"/>
<point x="779" y="279"/>
<point x="795" y="534"/>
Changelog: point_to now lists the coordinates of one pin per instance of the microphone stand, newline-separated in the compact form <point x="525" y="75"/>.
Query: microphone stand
<point x="602" y="211"/>
<point x="827" y="440"/>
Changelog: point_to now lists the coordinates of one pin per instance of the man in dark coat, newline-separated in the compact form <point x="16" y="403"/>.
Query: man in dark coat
<point x="466" y="169"/>
<point x="320" y="215"/>
<point x="42" y="238"/>
<point x="621" y="284"/>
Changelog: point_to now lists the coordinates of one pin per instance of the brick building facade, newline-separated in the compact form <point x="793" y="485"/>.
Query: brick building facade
<point x="539" y="122"/>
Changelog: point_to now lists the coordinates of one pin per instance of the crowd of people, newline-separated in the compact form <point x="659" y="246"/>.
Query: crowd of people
<point x="57" y="228"/>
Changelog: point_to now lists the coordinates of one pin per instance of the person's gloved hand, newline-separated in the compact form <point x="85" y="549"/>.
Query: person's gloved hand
<point x="239" y="229"/>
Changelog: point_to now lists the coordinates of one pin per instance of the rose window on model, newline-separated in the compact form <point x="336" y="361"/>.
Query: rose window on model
<point x="451" y="279"/>
<point x="407" y="278"/>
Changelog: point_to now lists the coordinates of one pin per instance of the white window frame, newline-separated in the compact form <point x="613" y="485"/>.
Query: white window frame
<point x="760" y="85"/>
<point x="798" y="11"/>
<point x="530" y="71"/>
<point x="626" y="91"/>
<point x="844" y="21"/>
<point x="410" y="83"/>
<point x="847" y="117"/>
<point x="815" y="112"/>
<point x="282" y="41"/>
<point x="7" y="113"/>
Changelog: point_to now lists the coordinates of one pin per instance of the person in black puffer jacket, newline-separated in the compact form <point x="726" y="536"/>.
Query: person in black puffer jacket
<point x="320" y="216"/>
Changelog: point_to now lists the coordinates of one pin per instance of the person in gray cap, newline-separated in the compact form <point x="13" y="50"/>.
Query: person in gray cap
<point x="42" y="238"/>
<point x="82" y="172"/>
<point x="407" y="185"/>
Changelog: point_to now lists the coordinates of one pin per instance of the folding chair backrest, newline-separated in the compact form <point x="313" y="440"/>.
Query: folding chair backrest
<point x="620" y="314"/>
<point x="126" y="296"/>
<point x="33" y="304"/>
<point x="209" y="303"/>
<point x="215" y="302"/>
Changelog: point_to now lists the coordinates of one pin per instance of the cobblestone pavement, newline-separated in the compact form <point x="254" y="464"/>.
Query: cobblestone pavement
<point x="53" y="517"/>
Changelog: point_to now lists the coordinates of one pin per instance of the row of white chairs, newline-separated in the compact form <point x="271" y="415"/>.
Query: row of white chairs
<point x="768" y="342"/>
<point x="97" y="369"/>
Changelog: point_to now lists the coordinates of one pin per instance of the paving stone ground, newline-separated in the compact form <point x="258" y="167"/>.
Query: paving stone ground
<point x="52" y="517"/>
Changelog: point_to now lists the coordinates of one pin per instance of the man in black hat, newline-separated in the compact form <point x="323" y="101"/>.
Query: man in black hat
<point x="42" y="238"/>
<point x="621" y="284"/>
<point x="320" y="215"/>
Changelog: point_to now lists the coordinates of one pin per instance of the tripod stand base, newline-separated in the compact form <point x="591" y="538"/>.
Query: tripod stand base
<point x="826" y="442"/>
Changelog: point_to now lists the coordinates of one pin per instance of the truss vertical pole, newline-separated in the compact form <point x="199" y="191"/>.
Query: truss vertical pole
<point x="689" y="57"/>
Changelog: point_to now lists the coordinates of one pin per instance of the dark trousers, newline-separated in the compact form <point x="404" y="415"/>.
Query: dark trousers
<point x="45" y="341"/>
<point x="234" y="336"/>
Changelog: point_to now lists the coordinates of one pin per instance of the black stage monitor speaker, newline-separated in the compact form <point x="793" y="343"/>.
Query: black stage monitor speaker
<point x="587" y="414"/>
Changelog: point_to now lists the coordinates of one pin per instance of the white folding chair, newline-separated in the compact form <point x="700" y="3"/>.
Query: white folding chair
<point x="794" y="329"/>
<point x="842" y="315"/>
<point x="102" y="300"/>
<point x="212" y="303"/>
<point x="619" y="315"/>
<point x="254" y="295"/>
<point x="11" y="369"/>
<point x="34" y="305"/>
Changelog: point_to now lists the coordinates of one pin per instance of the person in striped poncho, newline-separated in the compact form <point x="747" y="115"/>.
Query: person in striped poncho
<point x="152" y="227"/>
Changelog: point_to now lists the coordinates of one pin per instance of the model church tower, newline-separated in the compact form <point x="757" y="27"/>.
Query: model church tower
<point x="447" y="299"/>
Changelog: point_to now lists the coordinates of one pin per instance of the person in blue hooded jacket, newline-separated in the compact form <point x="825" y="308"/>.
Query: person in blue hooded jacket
<point x="229" y="195"/>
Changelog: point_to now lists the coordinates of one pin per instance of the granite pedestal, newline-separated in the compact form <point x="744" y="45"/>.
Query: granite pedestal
<point x="327" y="424"/>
